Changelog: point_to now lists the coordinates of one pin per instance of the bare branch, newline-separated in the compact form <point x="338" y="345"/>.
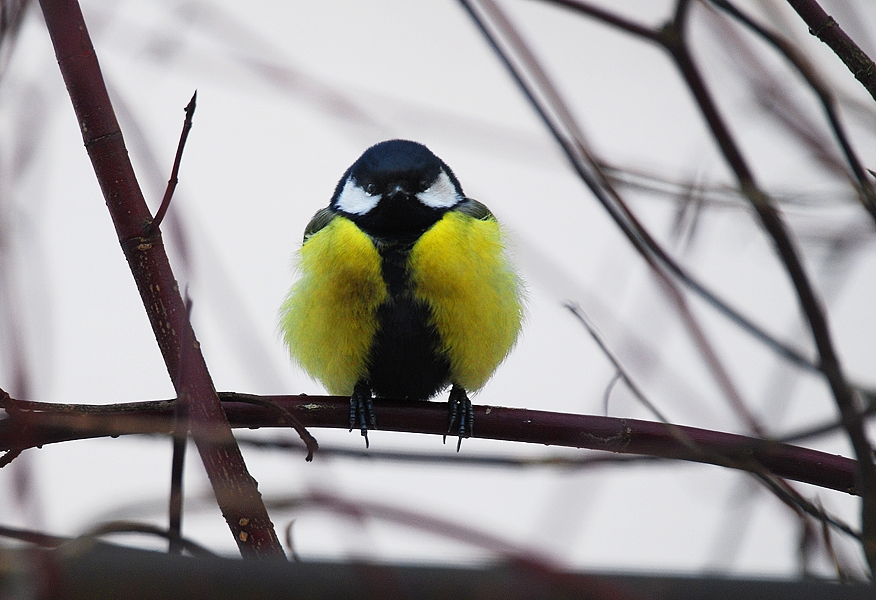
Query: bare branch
<point x="174" y="173"/>
<point x="50" y="423"/>
<point x="55" y="541"/>
<point x="823" y="26"/>
<point x="236" y="491"/>
<point x="579" y="314"/>
<point x="865" y="185"/>
<point x="673" y="39"/>
<point x="640" y="239"/>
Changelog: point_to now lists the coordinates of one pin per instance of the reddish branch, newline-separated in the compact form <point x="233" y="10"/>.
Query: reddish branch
<point x="235" y="489"/>
<point x="823" y="26"/>
<point x="821" y="89"/>
<point x="672" y="38"/>
<point x="49" y="423"/>
<point x="174" y="172"/>
<point x="639" y="238"/>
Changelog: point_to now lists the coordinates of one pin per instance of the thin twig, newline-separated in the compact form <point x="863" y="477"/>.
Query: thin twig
<point x="236" y="491"/>
<point x="830" y="426"/>
<point x="673" y="39"/>
<point x="638" y="236"/>
<point x="865" y="186"/>
<point x="608" y="18"/>
<point x="826" y="29"/>
<point x="287" y="418"/>
<point x="175" y="509"/>
<point x="290" y="542"/>
<point x="45" y="540"/>
<point x="78" y="543"/>
<point x="606" y="396"/>
<point x="792" y="498"/>
<point x="180" y="437"/>
<point x="780" y="488"/>
<point x="174" y="173"/>
<point x="567" y="463"/>
<point x="579" y="314"/>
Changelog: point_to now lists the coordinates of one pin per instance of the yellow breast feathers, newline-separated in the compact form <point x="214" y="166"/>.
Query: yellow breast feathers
<point x="459" y="268"/>
<point x="329" y="317"/>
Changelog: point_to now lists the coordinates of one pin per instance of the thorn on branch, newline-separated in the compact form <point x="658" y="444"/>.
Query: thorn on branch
<point x="8" y="403"/>
<point x="829" y="22"/>
<point x="152" y="228"/>
<point x="10" y="456"/>
<point x="286" y="417"/>
<point x="16" y="414"/>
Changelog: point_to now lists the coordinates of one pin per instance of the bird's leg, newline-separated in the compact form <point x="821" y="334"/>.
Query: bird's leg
<point x="459" y="406"/>
<point x="362" y="410"/>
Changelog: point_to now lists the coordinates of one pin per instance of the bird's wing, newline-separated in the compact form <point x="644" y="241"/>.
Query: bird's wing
<point x="475" y="209"/>
<point x="319" y="220"/>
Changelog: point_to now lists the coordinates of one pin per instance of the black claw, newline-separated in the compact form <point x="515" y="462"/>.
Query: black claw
<point x="459" y="407"/>
<point x="362" y="410"/>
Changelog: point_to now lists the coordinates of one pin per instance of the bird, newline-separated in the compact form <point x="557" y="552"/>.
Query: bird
<point x="406" y="288"/>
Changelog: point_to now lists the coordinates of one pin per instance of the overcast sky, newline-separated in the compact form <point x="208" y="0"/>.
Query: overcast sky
<point x="289" y="95"/>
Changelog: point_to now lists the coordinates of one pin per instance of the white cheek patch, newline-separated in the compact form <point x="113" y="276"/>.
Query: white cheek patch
<point x="354" y="200"/>
<point x="440" y="194"/>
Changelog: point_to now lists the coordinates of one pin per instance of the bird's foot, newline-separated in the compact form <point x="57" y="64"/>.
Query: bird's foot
<point x="459" y="408"/>
<point x="362" y="410"/>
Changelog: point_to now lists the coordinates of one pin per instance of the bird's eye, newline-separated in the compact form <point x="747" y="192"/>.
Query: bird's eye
<point x="424" y="183"/>
<point x="371" y="189"/>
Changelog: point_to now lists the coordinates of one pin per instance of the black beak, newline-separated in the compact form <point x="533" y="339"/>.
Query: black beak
<point x="396" y="191"/>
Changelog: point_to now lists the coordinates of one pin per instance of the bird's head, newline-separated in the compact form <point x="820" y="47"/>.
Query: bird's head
<point x="397" y="190"/>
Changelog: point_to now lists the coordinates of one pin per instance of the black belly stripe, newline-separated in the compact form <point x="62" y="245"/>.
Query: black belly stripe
<point x="405" y="361"/>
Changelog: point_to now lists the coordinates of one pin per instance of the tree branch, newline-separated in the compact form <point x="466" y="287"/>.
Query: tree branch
<point x="174" y="172"/>
<point x="51" y="423"/>
<point x="673" y="39"/>
<point x="638" y="236"/>
<point x="867" y="193"/>
<point x="236" y="491"/>
<point x="823" y="26"/>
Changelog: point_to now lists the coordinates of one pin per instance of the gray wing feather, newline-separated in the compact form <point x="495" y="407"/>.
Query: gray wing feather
<point x="319" y="220"/>
<point x="475" y="209"/>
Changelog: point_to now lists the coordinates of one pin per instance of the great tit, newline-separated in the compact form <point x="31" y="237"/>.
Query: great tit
<point x="405" y="289"/>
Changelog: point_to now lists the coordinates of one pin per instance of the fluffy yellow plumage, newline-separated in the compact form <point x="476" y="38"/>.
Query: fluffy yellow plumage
<point x="460" y="270"/>
<point x="329" y="317"/>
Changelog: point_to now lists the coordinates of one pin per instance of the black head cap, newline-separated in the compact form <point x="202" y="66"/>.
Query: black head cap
<point x="397" y="189"/>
